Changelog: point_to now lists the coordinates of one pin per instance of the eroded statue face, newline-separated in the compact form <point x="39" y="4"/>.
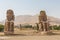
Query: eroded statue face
<point x="10" y="15"/>
<point x="9" y="12"/>
<point x="43" y="16"/>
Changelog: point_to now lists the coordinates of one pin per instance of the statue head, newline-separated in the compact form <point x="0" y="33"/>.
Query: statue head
<point x="42" y="13"/>
<point x="10" y="12"/>
<point x="10" y="15"/>
<point x="43" y="16"/>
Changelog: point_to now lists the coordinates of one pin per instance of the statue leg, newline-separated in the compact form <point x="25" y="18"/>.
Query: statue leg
<point x="42" y="27"/>
<point x="45" y="26"/>
<point x="12" y="27"/>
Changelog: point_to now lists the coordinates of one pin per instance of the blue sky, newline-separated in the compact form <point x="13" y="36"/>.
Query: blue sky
<point x="30" y="7"/>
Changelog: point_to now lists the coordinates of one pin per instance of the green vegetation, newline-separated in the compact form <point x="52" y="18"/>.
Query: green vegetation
<point x="1" y="27"/>
<point x="26" y="26"/>
<point x="55" y="27"/>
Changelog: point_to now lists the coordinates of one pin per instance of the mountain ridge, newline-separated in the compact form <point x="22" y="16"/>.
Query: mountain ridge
<point x="22" y="19"/>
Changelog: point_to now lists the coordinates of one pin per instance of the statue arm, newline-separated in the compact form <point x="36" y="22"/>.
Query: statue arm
<point x="39" y="19"/>
<point x="13" y="17"/>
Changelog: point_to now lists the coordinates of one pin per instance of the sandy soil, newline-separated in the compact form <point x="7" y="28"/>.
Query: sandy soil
<point x="29" y="35"/>
<point x="30" y="38"/>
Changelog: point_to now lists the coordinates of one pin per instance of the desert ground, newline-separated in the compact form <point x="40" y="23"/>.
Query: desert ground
<point x="56" y="37"/>
<point x="28" y="34"/>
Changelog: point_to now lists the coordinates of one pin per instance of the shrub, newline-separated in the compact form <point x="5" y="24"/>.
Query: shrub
<point x="55" y="27"/>
<point x="1" y="27"/>
<point x="26" y="26"/>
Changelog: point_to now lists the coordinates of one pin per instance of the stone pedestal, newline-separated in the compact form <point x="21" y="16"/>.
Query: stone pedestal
<point x="46" y="33"/>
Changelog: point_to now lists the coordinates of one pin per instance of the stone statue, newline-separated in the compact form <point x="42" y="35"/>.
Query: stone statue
<point x="43" y="21"/>
<point x="9" y="23"/>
